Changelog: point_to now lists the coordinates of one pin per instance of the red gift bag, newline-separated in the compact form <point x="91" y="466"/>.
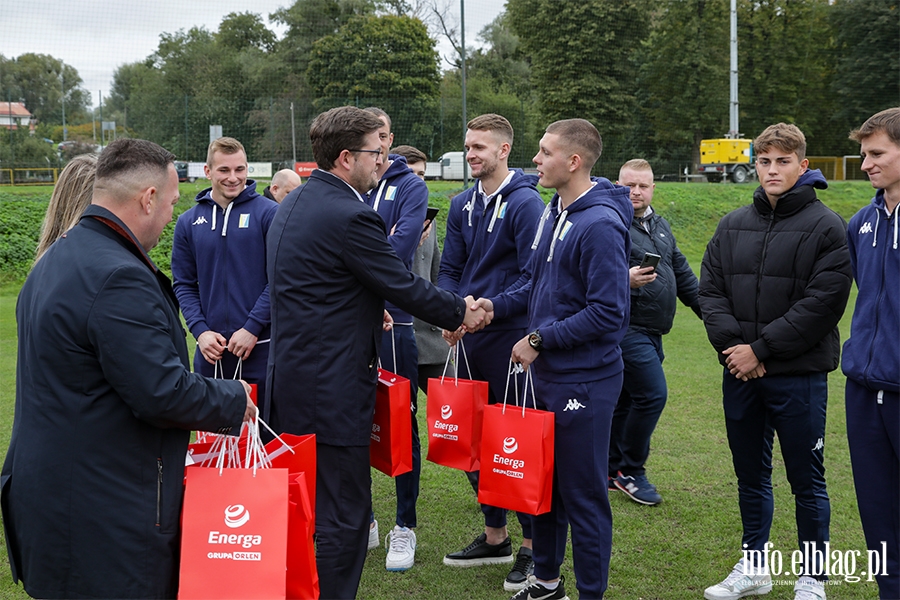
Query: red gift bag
<point x="302" y="574"/>
<point x="298" y="455"/>
<point x="454" y="414"/>
<point x="234" y="533"/>
<point x="390" y="448"/>
<point x="517" y="457"/>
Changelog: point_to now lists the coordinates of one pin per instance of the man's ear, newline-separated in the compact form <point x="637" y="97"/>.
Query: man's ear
<point x="147" y="197"/>
<point x="343" y="160"/>
<point x="575" y="163"/>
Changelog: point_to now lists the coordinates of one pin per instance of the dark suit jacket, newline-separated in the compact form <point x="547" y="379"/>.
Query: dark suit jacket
<point x="330" y="270"/>
<point x="93" y="479"/>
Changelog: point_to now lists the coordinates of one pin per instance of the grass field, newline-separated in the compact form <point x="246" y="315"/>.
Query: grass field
<point x="668" y="552"/>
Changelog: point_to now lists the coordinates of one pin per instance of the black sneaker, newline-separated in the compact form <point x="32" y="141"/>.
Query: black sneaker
<point x="518" y="576"/>
<point x="536" y="591"/>
<point x="480" y="552"/>
<point x="611" y="484"/>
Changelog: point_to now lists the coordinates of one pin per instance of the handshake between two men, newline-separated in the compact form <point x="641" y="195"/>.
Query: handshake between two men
<point x="479" y="315"/>
<point x="481" y="312"/>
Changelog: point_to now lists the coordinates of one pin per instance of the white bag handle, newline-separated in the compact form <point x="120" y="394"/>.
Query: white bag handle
<point x="455" y="349"/>
<point x="394" y="349"/>
<point x="514" y="369"/>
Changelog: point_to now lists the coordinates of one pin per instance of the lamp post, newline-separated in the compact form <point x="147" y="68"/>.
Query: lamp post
<point x="462" y="46"/>
<point x="62" y="85"/>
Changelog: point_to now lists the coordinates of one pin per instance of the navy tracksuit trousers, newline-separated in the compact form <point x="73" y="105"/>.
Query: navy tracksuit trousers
<point x="873" y="430"/>
<point x="583" y="414"/>
<point x="793" y="406"/>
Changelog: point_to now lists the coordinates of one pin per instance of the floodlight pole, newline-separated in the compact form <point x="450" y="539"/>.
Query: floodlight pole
<point x="62" y="85"/>
<point x="733" y="128"/>
<point x="293" y="136"/>
<point x="462" y="44"/>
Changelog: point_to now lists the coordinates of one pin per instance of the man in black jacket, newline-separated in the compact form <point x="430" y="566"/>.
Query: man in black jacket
<point x="654" y="291"/>
<point x="330" y="269"/>
<point x="105" y="400"/>
<point x="774" y="283"/>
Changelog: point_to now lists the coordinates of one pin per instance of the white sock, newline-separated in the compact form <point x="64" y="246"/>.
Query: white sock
<point x="550" y="585"/>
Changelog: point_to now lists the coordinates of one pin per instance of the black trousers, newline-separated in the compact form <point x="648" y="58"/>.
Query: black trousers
<point x="343" y="503"/>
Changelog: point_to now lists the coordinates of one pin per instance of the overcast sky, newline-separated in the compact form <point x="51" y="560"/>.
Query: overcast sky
<point x="96" y="36"/>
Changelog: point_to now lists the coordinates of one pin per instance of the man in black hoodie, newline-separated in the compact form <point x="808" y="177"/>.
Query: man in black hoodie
<point x="774" y="283"/>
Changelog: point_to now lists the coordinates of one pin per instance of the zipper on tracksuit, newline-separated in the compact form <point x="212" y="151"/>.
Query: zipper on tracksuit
<point x="886" y="256"/>
<point x="159" y="481"/>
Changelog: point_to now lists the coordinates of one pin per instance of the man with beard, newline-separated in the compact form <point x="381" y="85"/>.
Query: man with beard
<point x="486" y="249"/>
<point x="330" y="269"/>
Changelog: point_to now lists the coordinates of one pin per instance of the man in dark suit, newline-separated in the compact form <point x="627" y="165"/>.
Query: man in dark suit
<point x="105" y="399"/>
<point x="330" y="269"/>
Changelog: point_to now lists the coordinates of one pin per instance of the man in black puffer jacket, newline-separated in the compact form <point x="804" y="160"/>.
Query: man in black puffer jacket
<point x="654" y="296"/>
<point x="774" y="283"/>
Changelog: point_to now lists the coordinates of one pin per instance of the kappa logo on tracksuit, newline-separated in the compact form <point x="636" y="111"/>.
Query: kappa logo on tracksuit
<point x="573" y="404"/>
<point x="866" y="228"/>
<point x="200" y="220"/>
<point x="820" y="444"/>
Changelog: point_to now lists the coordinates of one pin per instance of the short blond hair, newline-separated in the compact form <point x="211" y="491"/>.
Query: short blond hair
<point x="495" y="123"/>
<point x="636" y="164"/>
<point x="783" y="136"/>
<point x="580" y="136"/>
<point x="225" y="145"/>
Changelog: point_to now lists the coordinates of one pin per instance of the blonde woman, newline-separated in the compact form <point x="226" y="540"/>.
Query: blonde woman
<point x="71" y="196"/>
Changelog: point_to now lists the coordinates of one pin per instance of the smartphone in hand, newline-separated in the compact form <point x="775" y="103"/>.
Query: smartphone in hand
<point x="650" y="260"/>
<point x="430" y="214"/>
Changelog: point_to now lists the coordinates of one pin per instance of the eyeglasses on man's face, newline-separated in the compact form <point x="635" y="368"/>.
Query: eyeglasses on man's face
<point x="368" y="151"/>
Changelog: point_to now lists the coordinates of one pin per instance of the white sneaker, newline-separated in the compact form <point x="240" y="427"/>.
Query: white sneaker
<point x="808" y="588"/>
<point x="740" y="584"/>
<point x="374" y="538"/>
<point x="401" y="547"/>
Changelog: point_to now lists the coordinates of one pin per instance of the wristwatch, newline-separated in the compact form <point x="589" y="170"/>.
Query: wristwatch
<point x="535" y="340"/>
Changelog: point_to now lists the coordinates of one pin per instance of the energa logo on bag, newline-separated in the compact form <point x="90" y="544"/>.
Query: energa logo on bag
<point x="510" y="446"/>
<point x="236" y="515"/>
<point x="450" y="428"/>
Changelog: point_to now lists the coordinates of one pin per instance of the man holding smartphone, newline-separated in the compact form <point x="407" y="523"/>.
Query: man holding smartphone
<point x="659" y="275"/>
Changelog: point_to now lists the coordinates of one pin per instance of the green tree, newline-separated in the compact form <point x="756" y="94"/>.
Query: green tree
<point x="683" y="83"/>
<point x="386" y="60"/>
<point x="498" y="80"/>
<point x="785" y="49"/>
<point x="867" y="58"/>
<point x="579" y="54"/>
<point x="42" y="82"/>
<point x="240" y="31"/>
<point x="308" y="21"/>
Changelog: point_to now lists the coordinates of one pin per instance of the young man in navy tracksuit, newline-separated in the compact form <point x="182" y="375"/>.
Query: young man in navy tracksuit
<point x="219" y="270"/>
<point x="577" y="301"/>
<point x="401" y="199"/>
<point x="871" y="359"/>
<point x="486" y="250"/>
